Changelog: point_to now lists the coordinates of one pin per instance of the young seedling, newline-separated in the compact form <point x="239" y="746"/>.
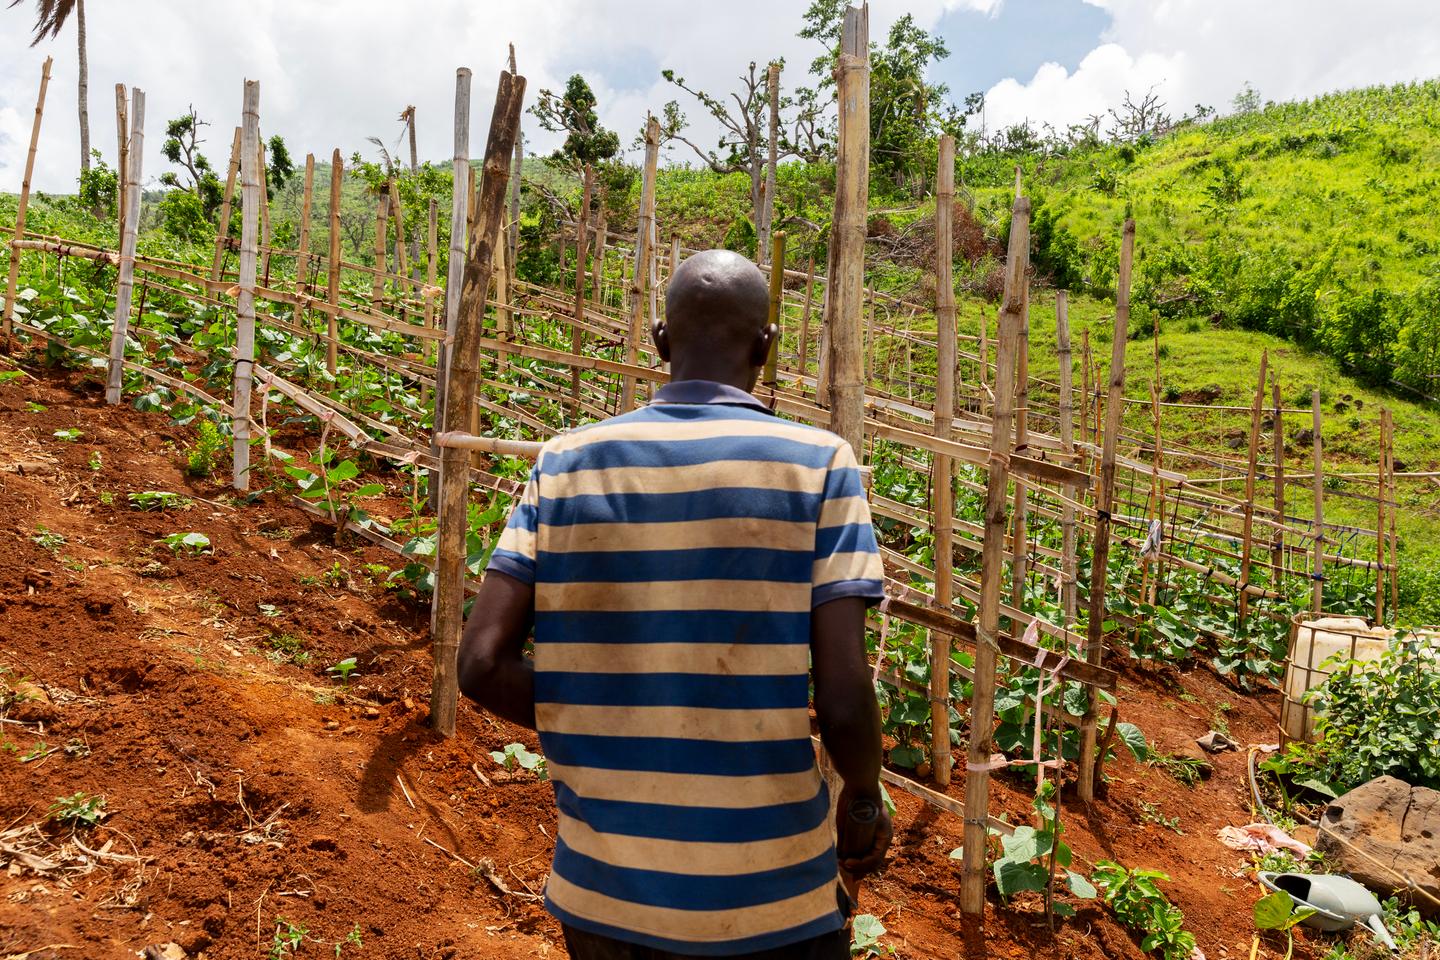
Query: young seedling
<point x="47" y="539"/>
<point x="208" y="446"/>
<point x="515" y="756"/>
<point x="1151" y="813"/>
<point x="287" y="939"/>
<point x="288" y="648"/>
<point x="69" y="435"/>
<point x="158" y="500"/>
<point x="352" y="939"/>
<point x="1278" y="912"/>
<point x="78" y="810"/>
<point x="96" y="463"/>
<point x="344" y="669"/>
<point x="865" y="934"/>
<point x="190" y="544"/>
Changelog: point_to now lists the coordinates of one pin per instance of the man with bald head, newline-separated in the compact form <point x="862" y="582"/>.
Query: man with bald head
<point x="686" y="571"/>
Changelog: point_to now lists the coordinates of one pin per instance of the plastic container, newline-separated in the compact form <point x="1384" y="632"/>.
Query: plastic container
<point x="1314" y="639"/>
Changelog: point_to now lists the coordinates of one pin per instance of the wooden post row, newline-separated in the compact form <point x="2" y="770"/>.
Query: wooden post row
<point x="942" y="496"/>
<point x="463" y="372"/>
<point x="252" y="204"/>
<point x="332" y="285"/>
<point x="992" y="563"/>
<point x="1104" y="501"/>
<point x="13" y="276"/>
<point x="115" y="375"/>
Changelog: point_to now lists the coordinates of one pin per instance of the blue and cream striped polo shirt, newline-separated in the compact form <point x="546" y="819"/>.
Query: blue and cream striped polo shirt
<point x="676" y="554"/>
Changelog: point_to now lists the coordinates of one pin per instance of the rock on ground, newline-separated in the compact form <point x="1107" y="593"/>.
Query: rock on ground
<point x="1384" y="833"/>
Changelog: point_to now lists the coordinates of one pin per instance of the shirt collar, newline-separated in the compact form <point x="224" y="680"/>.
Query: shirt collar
<point x="706" y="392"/>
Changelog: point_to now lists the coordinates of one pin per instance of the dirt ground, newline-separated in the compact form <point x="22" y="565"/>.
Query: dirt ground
<point x="241" y="787"/>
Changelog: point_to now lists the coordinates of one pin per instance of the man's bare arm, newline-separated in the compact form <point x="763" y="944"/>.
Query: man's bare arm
<point x="494" y="671"/>
<point x="849" y="720"/>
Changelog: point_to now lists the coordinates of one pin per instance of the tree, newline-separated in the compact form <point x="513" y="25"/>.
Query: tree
<point x="573" y="114"/>
<point x="182" y="147"/>
<point x="50" y="17"/>
<point x="1138" y="118"/>
<point x="1247" y="100"/>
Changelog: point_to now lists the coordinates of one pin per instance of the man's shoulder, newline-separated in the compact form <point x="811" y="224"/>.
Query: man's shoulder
<point x="657" y="423"/>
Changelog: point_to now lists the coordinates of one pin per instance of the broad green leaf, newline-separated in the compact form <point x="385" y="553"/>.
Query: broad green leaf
<point x="1273" y="912"/>
<point x="1134" y="738"/>
<point x="1079" y="886"/>
<point x="1014" y="876"/>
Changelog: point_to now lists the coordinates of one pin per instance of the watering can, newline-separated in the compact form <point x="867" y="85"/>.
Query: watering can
<point x="1339" y="902"/>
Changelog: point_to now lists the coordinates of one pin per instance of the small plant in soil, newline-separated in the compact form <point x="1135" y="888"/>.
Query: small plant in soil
<point x="1278" y="912"/>
<point x="288" y="648"/>
<point x="1151" y="813"/>
<point x="352" y="939"/>
<point x="32" y="407"/>
<point x="1030" y="856"/>
<point x="78" y="810"/>
<point x="158" y="500"/>
<point x="96" y="462"/>
<point x="77" y="749"/>
<point x="47" y="539"/>
<point x="69" y="435"/>
<point x="865" y="934"/>
<point x="1185" y="769"/>
<point x="336" y="576"/>
<point x="209" y="445"/>
<point x="189" y="544"/>
<point x="8" y="375"/>
<point x="343" y="670"/>
<point x="1141" y="905"/>
<point x="516" y="757"/>
<point x="287" y="939"/>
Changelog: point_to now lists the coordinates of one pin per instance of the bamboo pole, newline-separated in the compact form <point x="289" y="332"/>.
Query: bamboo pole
<point x="597" y="274"/>
<point x="577" y="335"/>
<point x="1067" y="446"/>
<point x="1248" y="506"/>
<point x="402" y="266"/>
<point x="1380" y="486"/>
<point x="992" y="568"/>
<point x="302" y="260"/>
<point x="943" y="495"/>
<point x="1394" y="509"/>
<point x="115" y="375"/>
<point x="122" y="167"/>
<point x="1018" y="560"/>
<point x="777" y="299"/>
<point x="332" y="286"/>
<point x="251" y="206"/>
<point x="12" y="278"/>
<point x="845" y="295"/>
<point x="639" y="282"/>
<point x="765" y="216"/>
<point x="1277" y="546"/>
<point x="1104" y="501"/>
<point x="222" y="229"/>
<point x="805" y="315"/>
<point x="463" y="371"/>
<point x="382" y="265"/>
<point x="984" y="350"/>
<point x="1317" y="489"/>
<point x="459" y="217"/>
<point x="516" y="174"/>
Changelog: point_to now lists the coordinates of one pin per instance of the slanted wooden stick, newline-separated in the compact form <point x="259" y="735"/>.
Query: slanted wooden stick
<point x="302" y="260"/>
<point x="1067" y="445"/>
<point x="1277" y="547"/>
<point x="122" y="168"/>
<point x="121" y="327"/>
<point x="1317" y="490"/>
<point x="463" y="373"/>
<point x="459" y="217"/>
<point x="332" y="286"/>
<point x="1248" y="507"/>
<point x="13" y="277"/>
<point x="777" y="296"/>
<point x="577" y="334"/>
<point x="222" y="229"/>
<point x="639" y="282"/>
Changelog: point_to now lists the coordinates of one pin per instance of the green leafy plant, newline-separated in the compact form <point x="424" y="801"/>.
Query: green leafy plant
<point x="287" y="939"/>
<point x="352" y="939"/>
<point x="865" y="933"/>
<point x="1277" y="911"/>
<point x="288" y="648"/>
<point x="209" y="445"/>
<point x="189" y="544"/>
<point x="96" y="463"/>
<point x="69" y="435"/>
<point x="47" y="539"/>
<point x="1141" y="905"/>
<point x="344" y="670"/>
<point x="516" y="756"/>
<point x="1029" y="857"/>
<point x="336" y="576"/>
<point x="78" y="810"/>
<point x="1151" y="813"/>
<point x="158" y="500"/>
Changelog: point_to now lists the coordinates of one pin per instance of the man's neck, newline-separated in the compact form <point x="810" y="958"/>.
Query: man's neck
<point x="739" y="379"/>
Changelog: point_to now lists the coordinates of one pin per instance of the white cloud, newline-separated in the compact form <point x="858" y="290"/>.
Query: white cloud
<point x="1203" y="51"/>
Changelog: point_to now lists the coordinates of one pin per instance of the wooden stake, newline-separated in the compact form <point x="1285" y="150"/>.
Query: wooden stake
<point x="984" y="359"/>
<point x="992" y="568"/>
<point x="122" y="138"/>
<point x="464" y="373"/>
<point x="332" y="286"/>
<point x="302" y="261"/>
<point x="402" y="266"/>
<point x="765" y="216"/>
<point x="577" y="335"/>
<point x="1277" y="547"/>
<point x="382" y="259"/>
<point x="845" y="298"/>
<point x="805" y="315"/>
<point x="1248" y="507"/>
<point x="777" y="299"/>
<point x="222" y="229"/>
<point x="1067" y="445"/>
<point x="1380" y="486"/>
<point x="432" y="245"/>
<point x="1317" y="489"/>
<point x="120" y="328"/>
<point x="597" y="274"/>
<point x="942" y="496"/>
<point x="13" y="277"/>
<point x="252" y="206"/>
<point x="1394" y="509"/>
<point x="639" y="283"/>
<point x="264" y="212"/>
<point x="1019" y="565"/>
<point x="1104" y="501"/>
<point x="516" y="174"/>
<point x="459" y="218"/>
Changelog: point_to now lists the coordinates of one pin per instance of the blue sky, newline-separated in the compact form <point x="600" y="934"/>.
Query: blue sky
<point x="1047" y="61"/>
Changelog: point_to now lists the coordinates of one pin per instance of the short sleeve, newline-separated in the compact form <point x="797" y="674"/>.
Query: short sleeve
<point x="847" y="561"/>
<point x="514" y="554"/>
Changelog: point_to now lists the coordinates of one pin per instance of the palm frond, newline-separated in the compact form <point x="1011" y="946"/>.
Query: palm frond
<point x="50" y="17"/>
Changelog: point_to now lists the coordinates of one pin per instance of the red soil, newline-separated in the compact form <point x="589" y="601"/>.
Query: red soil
<point x="256" y="789"/>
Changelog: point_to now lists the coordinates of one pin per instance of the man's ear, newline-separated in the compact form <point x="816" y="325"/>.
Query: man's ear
<point x="661" y="335"/>
<point x="760" y="352"/>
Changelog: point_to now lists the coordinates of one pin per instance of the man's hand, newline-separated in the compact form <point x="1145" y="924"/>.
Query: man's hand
<point x="864" y="830"/>
<point x="494" y="671"/>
